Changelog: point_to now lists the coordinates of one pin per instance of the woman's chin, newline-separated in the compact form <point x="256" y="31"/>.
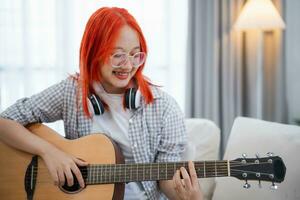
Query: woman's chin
<point x="121" y="83"/>
<point x="121" y="86"/>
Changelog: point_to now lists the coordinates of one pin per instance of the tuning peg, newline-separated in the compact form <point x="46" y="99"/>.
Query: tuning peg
<point x="270" y="154"/>
<point x="259" y="184"/>
<point x="273" y="186"/>
<point x="246" y="185"/>
<point x="244" y="155"/>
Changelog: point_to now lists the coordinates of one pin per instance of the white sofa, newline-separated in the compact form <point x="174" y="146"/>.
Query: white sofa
<point x="250" y="136"/>
<point x="203" y="144"/>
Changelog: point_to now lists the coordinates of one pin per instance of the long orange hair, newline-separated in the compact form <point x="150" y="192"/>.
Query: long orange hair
<point x="100" y="35"/>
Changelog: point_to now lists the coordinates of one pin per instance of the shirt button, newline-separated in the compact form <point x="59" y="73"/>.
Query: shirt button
<point x="130" y="121"/>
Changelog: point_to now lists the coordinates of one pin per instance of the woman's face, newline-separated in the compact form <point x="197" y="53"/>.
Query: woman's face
<point x="115" y="80"/>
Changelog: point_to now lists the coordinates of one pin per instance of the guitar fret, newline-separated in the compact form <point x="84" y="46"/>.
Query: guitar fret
<point x="129" y="171"/>
<point x="137" y="172"/>
<point x="130" y="175"/>
<point x="103" y="173"/>
<point x="150" y="177"/>
<point x="204" y="170"/>
<point x="143" y="172"/>
<point x="88" y="175"/>
<point x="106" y="174"/>
<point x="228" y="168"/>
<point x="110" y="176"/>
<point x="89" y="178"/>
<point x="216" y="172"/>
<point x="125" y="173"/>
<point x="158" y="171"/>
<point x="120" y="173"/>
<point x="92" y="175"/>
<point x="115" y="174"/>
<point x="147" y="172"/>
<point x="95" y="173"/>
<point x="166" y="171"/>
<point x="101" y="176"/>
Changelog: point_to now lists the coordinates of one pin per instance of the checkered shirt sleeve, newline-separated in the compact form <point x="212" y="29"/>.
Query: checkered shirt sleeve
<point x="173" y="133"/>
<point x="45" y="106"/>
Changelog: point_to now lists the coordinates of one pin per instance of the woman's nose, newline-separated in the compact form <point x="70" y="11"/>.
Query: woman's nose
<point x="127" y="64"/>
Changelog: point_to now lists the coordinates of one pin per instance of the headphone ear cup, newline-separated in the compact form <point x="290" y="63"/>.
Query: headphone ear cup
<point x="96" y="104"/>
<point x="132" y="98"/>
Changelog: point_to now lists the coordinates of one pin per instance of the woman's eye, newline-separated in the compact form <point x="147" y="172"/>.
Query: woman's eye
<point x="118" y="55"/>
<point x="134" y="53"/>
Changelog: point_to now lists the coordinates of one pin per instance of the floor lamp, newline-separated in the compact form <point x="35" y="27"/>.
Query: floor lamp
<point x="259" y="15"/>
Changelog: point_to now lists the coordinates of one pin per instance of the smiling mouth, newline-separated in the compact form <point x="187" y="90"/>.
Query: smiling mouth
<point x="121" y="75"/>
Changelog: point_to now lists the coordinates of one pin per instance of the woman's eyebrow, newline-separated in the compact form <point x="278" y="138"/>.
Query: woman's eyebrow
<point x="120" y="48"/>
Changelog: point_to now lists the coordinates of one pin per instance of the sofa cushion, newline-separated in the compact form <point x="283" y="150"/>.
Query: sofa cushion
<point x="253" y="136"/>
<point x="203" y="144"/>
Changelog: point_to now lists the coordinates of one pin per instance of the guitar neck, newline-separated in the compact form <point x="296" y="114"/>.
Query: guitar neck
<point x="119" y="173"/>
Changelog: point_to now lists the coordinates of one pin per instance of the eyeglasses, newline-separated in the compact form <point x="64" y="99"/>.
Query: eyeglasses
<point x="120" y="59"/>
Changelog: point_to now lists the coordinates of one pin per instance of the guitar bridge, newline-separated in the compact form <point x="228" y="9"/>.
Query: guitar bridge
<point x="30" y="177"/>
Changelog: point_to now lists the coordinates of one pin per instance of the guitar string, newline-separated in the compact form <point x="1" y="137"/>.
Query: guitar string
<point x="156" y="178"/>
<point x="120" y="167"/>
<point x="124" y="181"/>
<point x="146" y="171"/>
<point x="170" y="174"/>
<point x="171" y="165"/>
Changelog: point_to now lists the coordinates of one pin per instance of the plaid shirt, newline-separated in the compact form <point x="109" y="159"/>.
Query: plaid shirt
<point x="156" y="131"/>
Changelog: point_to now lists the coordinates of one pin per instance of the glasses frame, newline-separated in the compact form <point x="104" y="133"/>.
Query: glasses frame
<point x="128" y="57"/>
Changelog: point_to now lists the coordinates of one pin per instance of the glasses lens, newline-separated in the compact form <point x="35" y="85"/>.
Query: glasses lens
<point x="138" y="59"/>
<point x="120" y="59"/>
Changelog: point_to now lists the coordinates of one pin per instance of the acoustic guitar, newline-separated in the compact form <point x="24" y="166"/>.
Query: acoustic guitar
<point x="25" y="176"/>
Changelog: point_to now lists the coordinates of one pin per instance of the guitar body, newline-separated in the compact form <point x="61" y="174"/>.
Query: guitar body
<point x="94" y="149"/>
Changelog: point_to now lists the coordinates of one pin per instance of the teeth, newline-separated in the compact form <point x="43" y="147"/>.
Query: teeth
<point x="121" y="73"/>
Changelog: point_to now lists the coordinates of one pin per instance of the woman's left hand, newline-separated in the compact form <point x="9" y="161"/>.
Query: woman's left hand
<point x="188" y="188"/>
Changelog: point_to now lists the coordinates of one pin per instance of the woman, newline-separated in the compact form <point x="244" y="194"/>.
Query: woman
<point x="109" y="95"/>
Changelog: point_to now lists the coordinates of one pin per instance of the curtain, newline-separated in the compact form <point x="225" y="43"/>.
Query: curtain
<point x="292" y="59"/>
<point x="222" y="68"/>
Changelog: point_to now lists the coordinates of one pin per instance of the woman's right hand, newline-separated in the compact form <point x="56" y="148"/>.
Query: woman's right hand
<point x="187" y="188"/>
<point x="61" y="165"/>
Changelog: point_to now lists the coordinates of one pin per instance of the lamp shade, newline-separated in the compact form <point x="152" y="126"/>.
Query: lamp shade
<point x="259" y="14"/>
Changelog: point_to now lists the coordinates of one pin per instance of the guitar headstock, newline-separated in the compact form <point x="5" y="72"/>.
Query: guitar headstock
<point x="270" y="169"/>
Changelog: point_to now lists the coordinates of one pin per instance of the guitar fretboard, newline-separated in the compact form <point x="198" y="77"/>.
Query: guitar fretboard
<point x="117" y="173"/>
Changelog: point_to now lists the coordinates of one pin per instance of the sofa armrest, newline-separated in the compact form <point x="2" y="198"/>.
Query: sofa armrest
<point x="253" y="136"/>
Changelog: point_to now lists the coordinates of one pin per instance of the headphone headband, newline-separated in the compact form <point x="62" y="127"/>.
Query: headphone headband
<point x="132" y="101"/>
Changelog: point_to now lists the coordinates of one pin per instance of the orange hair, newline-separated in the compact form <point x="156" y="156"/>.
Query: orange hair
<point x="99" y="38"/>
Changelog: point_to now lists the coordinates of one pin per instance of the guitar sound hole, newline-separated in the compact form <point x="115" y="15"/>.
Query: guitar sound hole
<point x="71" y="189"/>
<point x="75" y="187"/>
